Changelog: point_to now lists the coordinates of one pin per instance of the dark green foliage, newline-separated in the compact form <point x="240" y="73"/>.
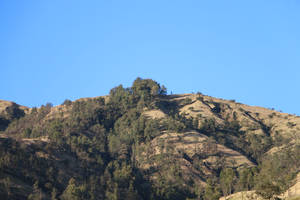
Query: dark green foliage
<point x="259" y="144"/>
<point x="14" y="112"/>
<point x="174" y="125"/>
<point x="93" y="149"/>
<point x="10" y="114"/>
<point x="74" y="192"/>
<point x="187" y="101"/>
<point x="217" y="108"/>
<point x="147" y="88"/>
<point x="209" y="126"/>
<point x="169" y="107"/>
<point x="267" y="189"/>
<point x="227" y="180"/>
<point x="212" y="190"/>
<point x="142" y="94"/>
<point x="33" y="122"/>
<point x="67" y="102"/>
<point x="277" y="171"/>
<point x="3" y="123"/>
<point x="246" y="179"/>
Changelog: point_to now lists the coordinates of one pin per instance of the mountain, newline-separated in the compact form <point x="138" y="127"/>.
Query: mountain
<point x="140" y="143"/>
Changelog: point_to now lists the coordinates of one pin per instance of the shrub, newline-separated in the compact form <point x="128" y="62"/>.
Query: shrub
<point x="67" y="102"/>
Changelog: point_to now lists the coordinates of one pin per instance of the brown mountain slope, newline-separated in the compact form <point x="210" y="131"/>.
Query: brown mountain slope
<point x="251" y="119"/>
<point x="179" y="140"/>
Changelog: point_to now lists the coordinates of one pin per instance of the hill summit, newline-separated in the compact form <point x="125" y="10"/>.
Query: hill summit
<point x="141" y="143"/>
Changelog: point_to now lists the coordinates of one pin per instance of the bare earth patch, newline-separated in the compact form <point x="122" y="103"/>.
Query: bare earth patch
<point x="154" y="114"/>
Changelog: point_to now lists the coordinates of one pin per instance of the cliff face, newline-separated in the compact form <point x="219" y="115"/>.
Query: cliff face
<point x="139" y="143"/>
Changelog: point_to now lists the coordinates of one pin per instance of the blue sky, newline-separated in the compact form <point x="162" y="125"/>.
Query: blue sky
<point x="67" y="49"/>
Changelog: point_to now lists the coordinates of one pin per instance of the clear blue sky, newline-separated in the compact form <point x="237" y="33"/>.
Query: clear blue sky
<point x="66" y="49"/>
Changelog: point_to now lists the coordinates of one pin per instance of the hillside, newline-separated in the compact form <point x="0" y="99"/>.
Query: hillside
<point x="140" y="143"/>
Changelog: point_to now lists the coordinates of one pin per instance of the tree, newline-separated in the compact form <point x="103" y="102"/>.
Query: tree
<point x="7" y="185"/>
<point x="246" y="179"/>
<point x="163" y="90"/>
<point x="54" y="194"/>
<point x="211" y="191"/>
<point x="267" y="189"/>
<point x="67" y="102"/>
<point x="37" y="193"/>
<point x="14" y="112"/>
<point x="72" y="192"/>
<point x="210" y="147"/>
<point x="227" y="177"/>
<point x="147" y="89"/>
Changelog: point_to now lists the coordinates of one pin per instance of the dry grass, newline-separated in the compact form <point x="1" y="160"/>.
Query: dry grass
<point x="250" y="118"/>
<point x="188" y="143"/>
<point x="293" y="198"/>
<point x="294" y="191"/>
<point x="154" y="114"/>
<point x="4" y="105"/>
<point x="245" y="195"/>
<point x="193" y="142"/>
<point x="34" y="140"/>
